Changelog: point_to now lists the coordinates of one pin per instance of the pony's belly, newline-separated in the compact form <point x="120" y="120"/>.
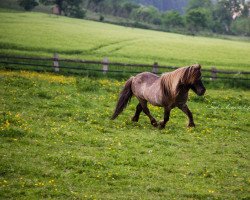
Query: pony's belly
<point x="154" y="98"/>
<point x="155" y="104"/>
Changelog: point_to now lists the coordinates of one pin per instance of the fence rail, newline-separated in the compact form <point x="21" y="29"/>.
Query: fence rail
<point x="55" y="63"/>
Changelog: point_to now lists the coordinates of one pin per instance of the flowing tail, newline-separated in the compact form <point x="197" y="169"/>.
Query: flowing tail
<point x="125" y="96"/>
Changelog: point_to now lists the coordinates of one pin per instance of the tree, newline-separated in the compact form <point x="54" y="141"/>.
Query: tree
<point x="193" y="4"/>
<point x="128" y="8"/>
<point x="28" y="4"/>
<point x="223" y="14"/>
<point x="205" y="7"/>
<point x="245" y="9"/>
<point x="196" y="19"/>
<point x="94" y="4"/>
<point x="241" y="26"/>
<point x="122" y="8"/>
<point x="146" y="14"/>
<point x="172" y="19"/>
<point x="71" y="8"/>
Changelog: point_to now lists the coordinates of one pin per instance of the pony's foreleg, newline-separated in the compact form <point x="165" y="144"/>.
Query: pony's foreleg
<point x="147" y="112"/>
<point x="166" y="118"/>
<point x="186" y="110"/>
<point x="135" y="118"/>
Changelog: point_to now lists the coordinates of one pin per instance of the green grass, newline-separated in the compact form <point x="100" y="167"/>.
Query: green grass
<point x="39" y="34"/>
<point x="56" y="137"/>
<point x="57" y="142"/>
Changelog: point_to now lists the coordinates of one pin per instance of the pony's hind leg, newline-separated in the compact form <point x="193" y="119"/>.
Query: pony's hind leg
<point x="135" y="118"/>
<point x="147" y="112"/>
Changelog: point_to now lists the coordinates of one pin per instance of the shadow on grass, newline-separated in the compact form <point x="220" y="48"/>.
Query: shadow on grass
<point x="12" y="132"/>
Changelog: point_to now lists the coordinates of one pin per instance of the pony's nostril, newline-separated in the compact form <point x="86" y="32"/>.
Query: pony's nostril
<point x="203" y="91"/>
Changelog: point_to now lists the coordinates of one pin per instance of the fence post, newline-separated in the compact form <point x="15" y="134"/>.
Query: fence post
<point x="105" y="66"/>
<point x="213" y="73"/>
<point x="56" y="62"/>
<point x="155" y="68"/>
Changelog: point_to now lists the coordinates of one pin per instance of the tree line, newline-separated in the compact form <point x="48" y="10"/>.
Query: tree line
<point x="221" y="16"/>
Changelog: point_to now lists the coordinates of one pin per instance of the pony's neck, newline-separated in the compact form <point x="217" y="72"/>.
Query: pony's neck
<point x="174" y="90"/>
<point x="172" y="81"/>
<point x="181" y="96"/>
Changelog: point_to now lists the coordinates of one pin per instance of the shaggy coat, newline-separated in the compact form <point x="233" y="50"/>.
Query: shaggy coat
<point x="169" y="91"/>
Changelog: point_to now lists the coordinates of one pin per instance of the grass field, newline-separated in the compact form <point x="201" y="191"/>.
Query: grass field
<point x="42" y="35"/>
<point x="56" y="137"/>
<point x="57" y="142"/>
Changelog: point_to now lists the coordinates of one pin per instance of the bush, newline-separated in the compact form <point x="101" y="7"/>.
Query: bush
<point x="196" y="19"/>
<point x="157" y="21"/>
<point x="77" y="13"/>
<point x="172" y="19"/>
<point x="241" y="26"/>
<point x="101" y="18"/>
<point x="145" y="14"/>
<point x="28" y="4"/>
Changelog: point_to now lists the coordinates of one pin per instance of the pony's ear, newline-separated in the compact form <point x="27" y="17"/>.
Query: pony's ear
<point x="197" y="66"/>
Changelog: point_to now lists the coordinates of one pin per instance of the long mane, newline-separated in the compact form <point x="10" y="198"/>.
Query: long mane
<point x="171" y="81"/>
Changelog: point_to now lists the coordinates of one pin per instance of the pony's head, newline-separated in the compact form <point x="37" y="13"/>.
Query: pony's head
<point x="192" y="77"/>
<point x="184" y="77"/>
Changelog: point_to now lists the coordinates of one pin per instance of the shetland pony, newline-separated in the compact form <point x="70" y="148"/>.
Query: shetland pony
<point x="170" y="90"/>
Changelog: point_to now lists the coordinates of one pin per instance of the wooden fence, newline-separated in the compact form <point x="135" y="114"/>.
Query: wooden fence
<point x="104" y="66"/>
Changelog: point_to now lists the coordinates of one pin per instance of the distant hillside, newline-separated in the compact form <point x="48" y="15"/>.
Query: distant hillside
<point x="164" y="5"/>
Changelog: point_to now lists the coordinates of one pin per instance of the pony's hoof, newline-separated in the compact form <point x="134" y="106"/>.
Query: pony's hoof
<point x="135" y="119"/>
<point x="154" y="123"/>
<point x="191" y="125"/>
<point x="162" y="125"/>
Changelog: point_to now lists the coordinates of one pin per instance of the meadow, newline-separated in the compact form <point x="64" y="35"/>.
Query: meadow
<point x="43" y="34"/>
<point x="57" y="142"/>
<point x="56" y="137"/>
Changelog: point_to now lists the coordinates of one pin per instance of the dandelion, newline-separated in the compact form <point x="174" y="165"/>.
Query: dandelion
<point x="51" y="181"/>
<point x="7" y="124"/>
<point x="211" y="191"/>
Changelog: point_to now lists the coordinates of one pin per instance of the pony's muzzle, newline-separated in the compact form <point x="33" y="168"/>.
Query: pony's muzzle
<point x="201" y="92"/>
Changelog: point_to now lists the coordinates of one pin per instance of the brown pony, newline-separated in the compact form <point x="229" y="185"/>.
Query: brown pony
<point x="169" y="91"/>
